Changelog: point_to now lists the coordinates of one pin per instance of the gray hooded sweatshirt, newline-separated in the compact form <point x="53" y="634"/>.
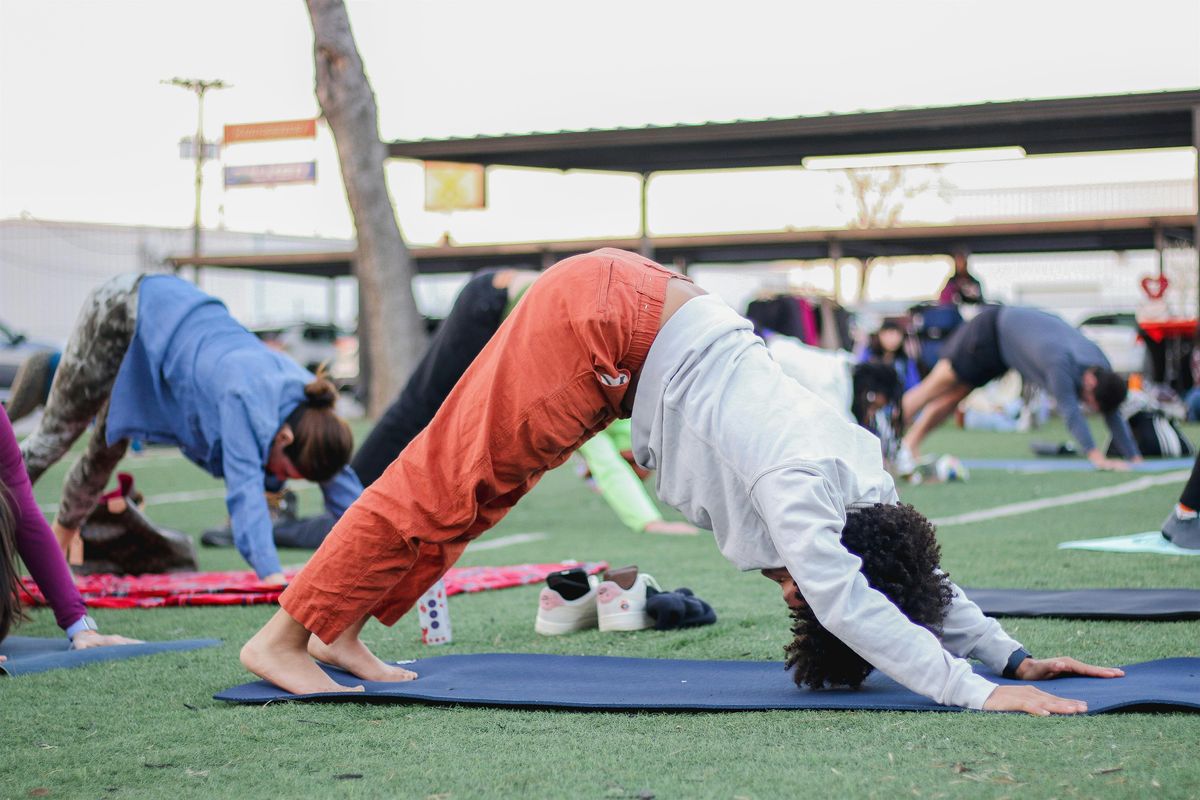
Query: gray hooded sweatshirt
<point x="748" y="453"/>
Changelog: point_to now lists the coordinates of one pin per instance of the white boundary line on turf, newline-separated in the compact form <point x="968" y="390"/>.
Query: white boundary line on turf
<point x="1013" y="509"/>
<point x="506" y="541"/>
<point x="168" y="498"/>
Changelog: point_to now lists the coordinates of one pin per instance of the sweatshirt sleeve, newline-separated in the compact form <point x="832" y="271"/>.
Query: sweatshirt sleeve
<point x="804" y="518"/>
<point x="242" y="465"/>
<point x="1062" y="388"/>
<point x="340" y="491"/>
<point x="35" y="541"/>
<point x="1122" y="435"/>
<point x="968" y="633"/>
<point x="618" y="484"/>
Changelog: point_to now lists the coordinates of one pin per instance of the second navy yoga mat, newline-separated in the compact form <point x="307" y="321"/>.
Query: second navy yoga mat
<point x="1145" y="604"/>
<point x="604" y="682"/>
<point x="28" y="654"/>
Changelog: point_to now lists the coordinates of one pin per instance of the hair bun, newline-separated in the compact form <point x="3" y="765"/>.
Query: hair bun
<point x="320" y="393"/>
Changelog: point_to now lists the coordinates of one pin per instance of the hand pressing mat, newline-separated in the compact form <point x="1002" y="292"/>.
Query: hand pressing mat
<point x="27" y="654"/>
<point x="607" y="683"/>
<point x="1141" y="604"/>
<point x="1036" y="465"/>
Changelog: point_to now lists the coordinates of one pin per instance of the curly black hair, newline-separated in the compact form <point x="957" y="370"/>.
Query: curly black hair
<point x="900" y="557"/>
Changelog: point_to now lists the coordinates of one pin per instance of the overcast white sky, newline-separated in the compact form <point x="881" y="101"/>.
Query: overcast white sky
<point x="88" y="133"/>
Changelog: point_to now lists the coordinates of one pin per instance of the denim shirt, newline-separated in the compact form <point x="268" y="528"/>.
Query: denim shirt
<point x="194" y="377"/>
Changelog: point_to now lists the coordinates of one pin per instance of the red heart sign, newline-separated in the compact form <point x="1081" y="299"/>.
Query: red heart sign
<point x="1155" y="288"/>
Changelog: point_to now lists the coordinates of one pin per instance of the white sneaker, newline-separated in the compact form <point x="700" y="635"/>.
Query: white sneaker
<point x="624" y="609"/>
<point x="557" y="615"/>
<point x="904" y="463"/>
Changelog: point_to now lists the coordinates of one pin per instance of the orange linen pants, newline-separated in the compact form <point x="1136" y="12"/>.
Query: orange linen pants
<point x="555" y="373"/>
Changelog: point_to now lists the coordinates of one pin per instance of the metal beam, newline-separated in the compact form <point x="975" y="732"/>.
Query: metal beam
<point x="1136" y="233"/>
<point x="1065" y="125"/>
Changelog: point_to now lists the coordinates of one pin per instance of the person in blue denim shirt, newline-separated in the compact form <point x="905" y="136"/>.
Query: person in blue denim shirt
<point x="154" y="358"/>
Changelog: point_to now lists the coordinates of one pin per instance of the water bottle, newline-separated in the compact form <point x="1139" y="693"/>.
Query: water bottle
<point x="434" y="615"/>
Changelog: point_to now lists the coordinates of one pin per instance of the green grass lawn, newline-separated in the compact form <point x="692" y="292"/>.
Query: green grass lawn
<point x="149" y="728"/>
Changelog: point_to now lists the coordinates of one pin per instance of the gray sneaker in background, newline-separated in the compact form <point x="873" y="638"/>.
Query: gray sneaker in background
<point x="1182" y="532"/>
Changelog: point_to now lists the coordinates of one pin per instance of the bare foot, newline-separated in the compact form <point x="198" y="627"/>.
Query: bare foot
<point x="349" y="653"/>
<point x="288" y="668"/>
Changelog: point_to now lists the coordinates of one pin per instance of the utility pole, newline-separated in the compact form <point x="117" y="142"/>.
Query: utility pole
<point x="199" y="87"/>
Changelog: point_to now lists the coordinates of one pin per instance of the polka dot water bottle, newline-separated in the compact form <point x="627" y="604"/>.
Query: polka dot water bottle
<point x="434" y="615"/>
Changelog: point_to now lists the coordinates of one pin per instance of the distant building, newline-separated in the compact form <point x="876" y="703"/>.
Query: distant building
<point x="47" y="269"/>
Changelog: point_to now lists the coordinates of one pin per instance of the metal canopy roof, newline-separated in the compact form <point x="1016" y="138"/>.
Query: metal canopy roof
<point x="983" y="238"/>
<point x="1063" y="125"/>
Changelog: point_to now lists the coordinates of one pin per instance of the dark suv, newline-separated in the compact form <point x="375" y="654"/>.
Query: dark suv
<point x="15" y="350"/>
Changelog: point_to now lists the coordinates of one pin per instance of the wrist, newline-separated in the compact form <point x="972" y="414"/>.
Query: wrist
<point x="1018" y="657"/>
<point x="82" y="625"/>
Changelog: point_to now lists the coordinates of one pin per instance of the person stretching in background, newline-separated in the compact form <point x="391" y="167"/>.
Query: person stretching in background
<point x="1048" y="353"/>
<point x="961" y="287"/>
<point x="740" y="449"/>
<point x="620" y="484"/>
<point x="154" y="358"/>
<point x="1182" y="525"/>
<point x="886" y="346"/>
<point x="24" y="530"/>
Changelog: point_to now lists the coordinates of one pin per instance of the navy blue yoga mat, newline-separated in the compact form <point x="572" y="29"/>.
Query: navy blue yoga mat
<point x="27" y="654"/>
<point x="1147" y="604"/>
<point x="603" y="682"/>
<point x="1071" y="464"/>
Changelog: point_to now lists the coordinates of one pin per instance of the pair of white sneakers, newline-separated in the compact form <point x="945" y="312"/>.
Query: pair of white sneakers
<point x="615" y="603"/>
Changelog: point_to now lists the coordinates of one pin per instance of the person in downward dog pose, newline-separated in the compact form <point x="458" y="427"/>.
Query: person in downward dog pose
<point x="481" y="306"/>
<point x="740" y="449"/>
<point x="154" y="358"/>
<point x="24" y="531"/>
<point x="1048" y="353"/>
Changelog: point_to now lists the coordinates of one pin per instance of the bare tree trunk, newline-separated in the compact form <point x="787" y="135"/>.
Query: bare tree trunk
<point x="390" y="329"/>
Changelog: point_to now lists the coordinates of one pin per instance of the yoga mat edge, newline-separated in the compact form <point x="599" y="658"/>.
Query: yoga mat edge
<point x="1150" y="542"/>
<point x="1160" y="605"/>
<point x="42" y="655"/>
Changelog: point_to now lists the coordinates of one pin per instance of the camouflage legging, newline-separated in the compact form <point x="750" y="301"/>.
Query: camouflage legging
<point x="80" y="393"/>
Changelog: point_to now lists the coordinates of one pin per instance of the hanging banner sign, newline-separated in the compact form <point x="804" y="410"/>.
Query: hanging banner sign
<point x="454" y="187"/>
<point x="271" y="174"/>
<point x="268" y="131"/>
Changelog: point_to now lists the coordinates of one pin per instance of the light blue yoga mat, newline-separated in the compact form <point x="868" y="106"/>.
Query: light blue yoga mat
<point x="1070" y="464"/>
<point x="1149" y="542"/>
<point x="28" y="654"/>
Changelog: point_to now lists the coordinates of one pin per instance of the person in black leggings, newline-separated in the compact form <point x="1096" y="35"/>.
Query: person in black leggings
<point x="1182" y="525"/>
<point x="477" y="313"/>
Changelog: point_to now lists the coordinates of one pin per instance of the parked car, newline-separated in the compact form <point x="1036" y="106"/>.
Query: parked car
<point x="1116" y="334"/>
<point x="15" y="349"/>
<point x="311" y="344"/>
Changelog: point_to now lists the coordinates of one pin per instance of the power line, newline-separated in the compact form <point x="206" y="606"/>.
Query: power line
<point x="199" y="87"/>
